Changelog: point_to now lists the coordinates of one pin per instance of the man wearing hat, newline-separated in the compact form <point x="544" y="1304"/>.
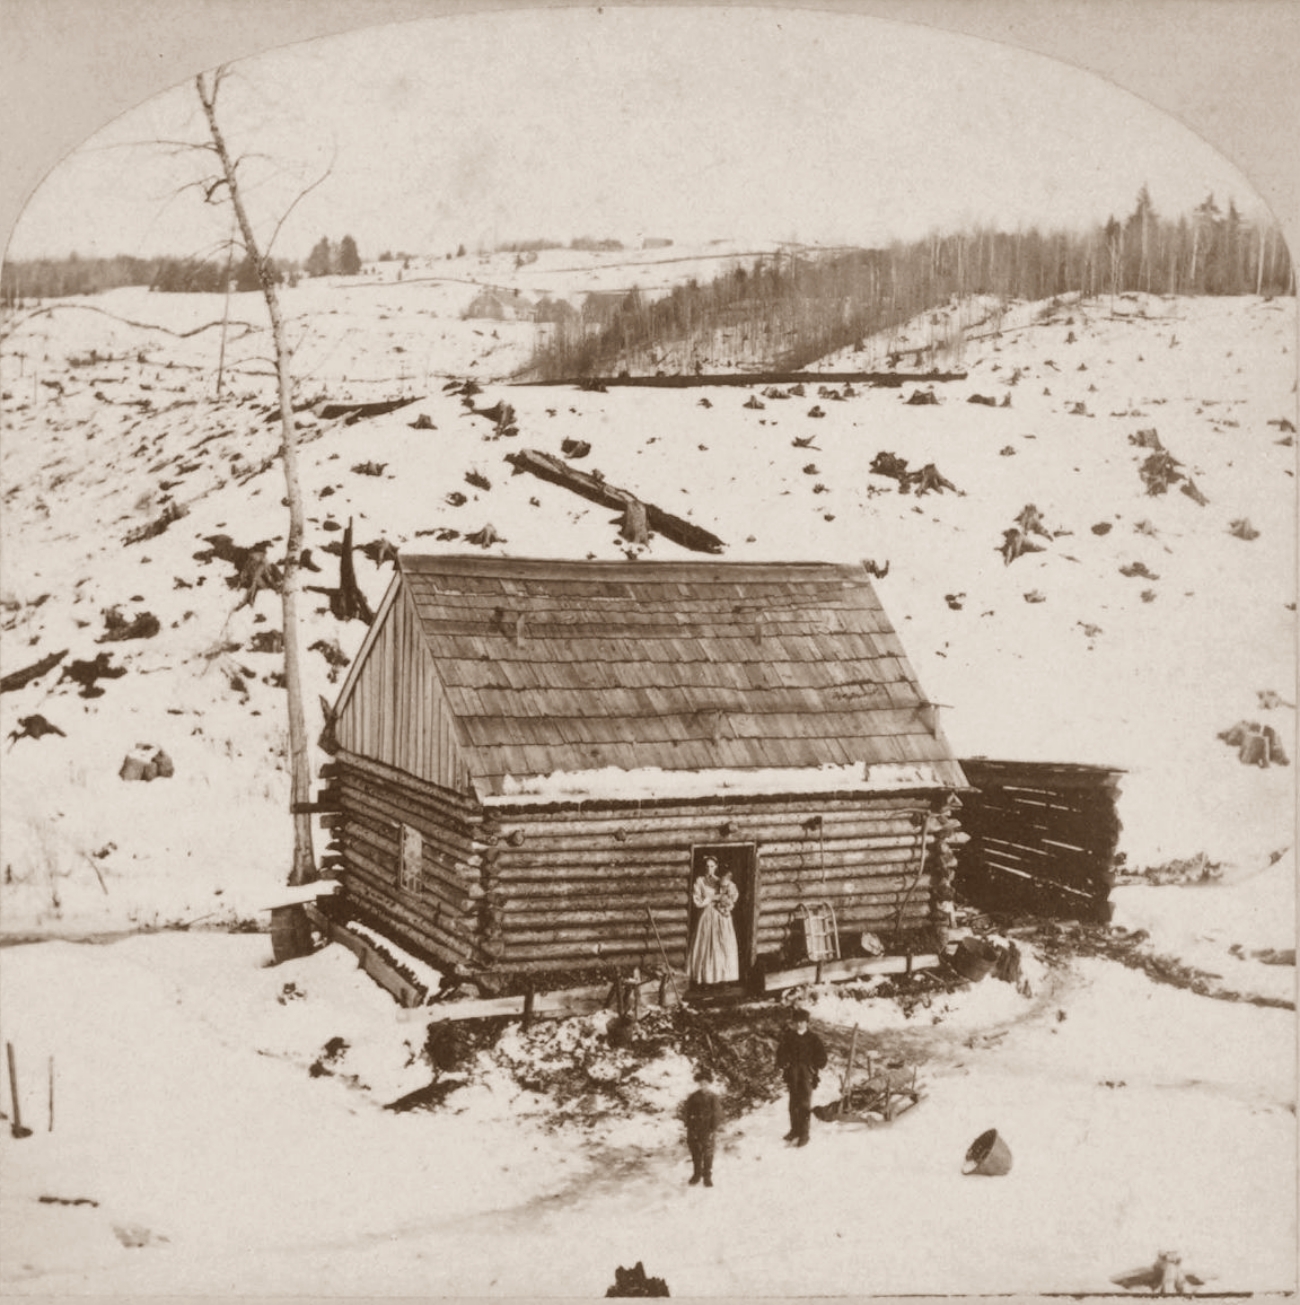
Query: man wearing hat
<point x="703" y="1114"/>
<point x="801" y="1055"/>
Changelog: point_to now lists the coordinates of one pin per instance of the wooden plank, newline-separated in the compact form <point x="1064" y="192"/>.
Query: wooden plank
<point x="376" y="965"/>
<point x="851" y="967"/>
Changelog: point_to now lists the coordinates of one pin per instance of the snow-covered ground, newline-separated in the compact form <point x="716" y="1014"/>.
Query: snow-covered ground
<point x="183" y="1099"/>
<point x="1139" y="1117"/>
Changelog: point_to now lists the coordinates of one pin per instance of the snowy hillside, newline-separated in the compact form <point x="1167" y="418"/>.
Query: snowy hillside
<point x="1141" y="629"/>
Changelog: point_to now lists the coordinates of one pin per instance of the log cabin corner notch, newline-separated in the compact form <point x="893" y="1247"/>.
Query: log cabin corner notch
<point x="534" y="755"/>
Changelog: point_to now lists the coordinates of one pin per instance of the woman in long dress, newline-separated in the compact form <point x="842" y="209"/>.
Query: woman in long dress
<point x="714" y="956"/>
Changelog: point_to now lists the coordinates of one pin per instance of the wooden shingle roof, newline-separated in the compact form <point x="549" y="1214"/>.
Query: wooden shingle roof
<point x="557" y="666"/>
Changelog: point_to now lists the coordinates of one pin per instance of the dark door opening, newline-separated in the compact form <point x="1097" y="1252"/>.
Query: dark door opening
<point x="741" y="860"/>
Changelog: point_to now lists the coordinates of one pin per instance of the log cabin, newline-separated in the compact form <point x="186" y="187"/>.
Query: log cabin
<point x="533" y="758"/>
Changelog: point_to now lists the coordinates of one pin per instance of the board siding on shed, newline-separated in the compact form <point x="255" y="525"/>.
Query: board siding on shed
<point x="397" y="711"/>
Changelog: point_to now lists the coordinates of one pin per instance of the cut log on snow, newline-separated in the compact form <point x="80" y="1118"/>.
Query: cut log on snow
<point x="597" y="490"/>
<point x="352" y="412"/>
<point x="18" y="679"/>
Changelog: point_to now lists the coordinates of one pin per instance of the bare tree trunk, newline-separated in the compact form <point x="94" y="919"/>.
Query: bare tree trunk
<point x="304" y="864"/>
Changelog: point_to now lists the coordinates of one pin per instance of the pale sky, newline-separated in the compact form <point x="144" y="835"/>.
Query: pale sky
<point x="691" y="124"/>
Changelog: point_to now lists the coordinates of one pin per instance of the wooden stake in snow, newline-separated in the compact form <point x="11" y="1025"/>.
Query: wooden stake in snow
<point x="16" y="1125"/>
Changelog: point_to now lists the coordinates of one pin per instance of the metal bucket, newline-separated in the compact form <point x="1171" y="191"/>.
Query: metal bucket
<point x="988" y="1154"/>
<point x="974" y="959"/>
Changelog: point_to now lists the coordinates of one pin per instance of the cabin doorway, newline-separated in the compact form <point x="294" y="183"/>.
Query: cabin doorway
<point x="741" y="860"/>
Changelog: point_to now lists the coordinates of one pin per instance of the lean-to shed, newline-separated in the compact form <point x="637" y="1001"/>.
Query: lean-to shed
<point x="535" y="757"/>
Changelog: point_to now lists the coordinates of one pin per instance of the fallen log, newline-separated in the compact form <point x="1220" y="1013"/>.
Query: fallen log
<point x="18" y="679"/>
<point x="352" y="412"/>
<point x="593" y="486"/>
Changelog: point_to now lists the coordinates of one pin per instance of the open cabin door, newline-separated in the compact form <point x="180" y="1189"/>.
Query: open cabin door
<point x="741" y="859"/>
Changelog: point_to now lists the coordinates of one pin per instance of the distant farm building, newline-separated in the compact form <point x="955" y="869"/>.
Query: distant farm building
<point x="501" y="306"/>
<point x="534" y="758"/>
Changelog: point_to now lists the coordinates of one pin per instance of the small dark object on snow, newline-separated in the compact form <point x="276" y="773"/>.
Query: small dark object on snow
<point x="1147" y="439"/>
<point x="86" y="673"/>
<point x="1031" y="522"/>
<point x="267" y="641"/>
<point x="1160" y="471"/>
<point x="146" y="763"/>
<point x="986" y="400"/>
<point x="1138" y="568"/>
<point x="816" y="411"/>
<point x="803" y="442"/>
<point x="456" y="499"/>
<point x="572" y="448"/>
<point x="633" y="1282"/>
<point x="928" y="479"/>
<point x="307" y="562"/>
<point x="118" y="628"/>
<point x="1007" y="451"/>
<point x="922" y="397"/>
<point x="1102" y="528"/>
<point x="1283" y="425"/>
<point x="704" y="403"/>
<point x="954" y="601"/>
<point x="380" y="551"/>
<point x="1243" y="529"/>
<point x="370" y="468"/>
<point x="33" y="727"/>
<point x="1166" y="1277"/>
<point x="875" y="569"/>
<point x="811" y="470"/>
<point x="1035" y="596"/>
<point x="1014" y="543"/>
<point x="67" y="1200"/>
<point x="1194" y="494"/>
<point x="172" y="512"/>
<point x="485" y="538"/>
<point x="1256" y="744"/>
<point x="478" y="480"/>
<point x="754" y="402"/>
<point x="422" y="422"/>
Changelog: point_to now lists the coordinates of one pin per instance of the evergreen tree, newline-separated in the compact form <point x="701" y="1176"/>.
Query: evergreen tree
<point x="349" y="261"/>
<point x="320" y="262"/>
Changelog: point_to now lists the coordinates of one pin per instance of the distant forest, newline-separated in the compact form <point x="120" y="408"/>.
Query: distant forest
<point x="56" y="278"/>
<point x="790" y="309"/>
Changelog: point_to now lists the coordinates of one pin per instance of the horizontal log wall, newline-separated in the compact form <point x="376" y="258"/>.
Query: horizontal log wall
<point x="511" y="888"/>
<point x="441" y="920"/>
<point x="1042" y="838"/>
<point x="582" y="887"/>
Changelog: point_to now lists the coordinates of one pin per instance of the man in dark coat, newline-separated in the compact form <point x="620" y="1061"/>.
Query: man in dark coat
<point x="703" y="1114"/>
<point x="801" y="1055"/>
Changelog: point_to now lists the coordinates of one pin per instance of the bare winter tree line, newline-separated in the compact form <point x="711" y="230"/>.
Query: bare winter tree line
<point x="789" y="309"/>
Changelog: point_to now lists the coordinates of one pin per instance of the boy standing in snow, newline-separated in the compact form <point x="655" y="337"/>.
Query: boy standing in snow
<point x="703" y="1114"/>
<point x="800" y="1055"/>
